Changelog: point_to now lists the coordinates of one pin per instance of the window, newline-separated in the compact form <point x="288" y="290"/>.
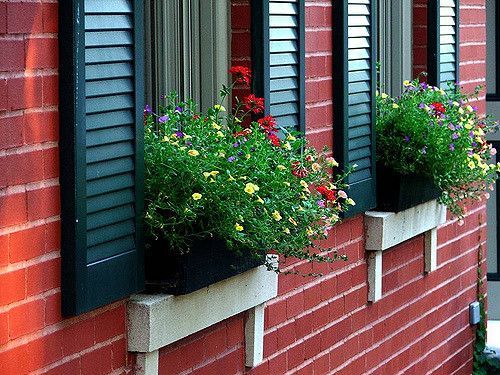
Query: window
<point x="395" y="44"/>
<point x="189" y="45"/>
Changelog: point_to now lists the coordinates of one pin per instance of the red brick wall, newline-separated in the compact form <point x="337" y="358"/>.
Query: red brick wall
<point x="33" y="336"/>
<point x="321" y="324"/>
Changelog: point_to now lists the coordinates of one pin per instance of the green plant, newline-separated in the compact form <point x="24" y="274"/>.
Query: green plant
<point x="234" y="177"/>
<point x="439" y="134"/>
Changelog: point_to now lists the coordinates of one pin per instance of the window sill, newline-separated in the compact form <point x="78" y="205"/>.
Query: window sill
<point x="385" y="230"/>
<point x="155" y="321"/>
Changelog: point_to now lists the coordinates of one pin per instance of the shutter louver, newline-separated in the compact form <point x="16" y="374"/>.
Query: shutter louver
<point x="280" y="30"/>
<point x="354" y="77"/>
<point x="444" y="42"/>
<point x="102" y="127"/>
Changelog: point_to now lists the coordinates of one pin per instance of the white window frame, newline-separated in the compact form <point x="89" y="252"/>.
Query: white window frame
<point x="395" y="48"/>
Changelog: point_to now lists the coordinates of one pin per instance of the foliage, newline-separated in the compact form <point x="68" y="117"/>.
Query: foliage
<point x="235" y="178"/>
<point x="439" y="134"/>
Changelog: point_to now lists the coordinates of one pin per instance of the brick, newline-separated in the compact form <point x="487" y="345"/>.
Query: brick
<point x="13" y="209"/>
<point x="119" y="354"/>
<point x="3" y="94"/>
<point x="12" y="130"/>
<point x="13" y="60"/>
<point x="215" y="342"/>
<point x="15" y="360"/>
<point x="27" y="244"/>
<point x="53" y="236"/>
<point x="241" y="16"/>
<point x="295" y="356"/>
<point x="71" y="367"/>
<point x="24" y="18"/>
<point x="41" y="127"/>
<point x="276" y="313"/>
<point x="24" y="92"/>
<point x="110" y="324"/>
<point x="13" y="287"/>
<point x="44" y="203"/>
<point x="50" y="16"/>
<point x="4" y="250"/>
<point x="26" y="318"/>
<point x="294" y="305"/>
<point x="43" y="276"/>
<point x="51" y="163"/>
<point x="17" y="169"/>
<point x="50" y="90"/>
<point x="45" y="350"/>
<point x="3" y="18"/>
<point x="98" y="362"/>
<point x="78" y="336"/>
<point x="235" y="331"/>
<point x="41" y="53"/>
<point x="53" y="309"/>
<point x="4" y="328"/>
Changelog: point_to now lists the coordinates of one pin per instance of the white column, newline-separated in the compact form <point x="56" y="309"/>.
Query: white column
<point x="254" y="336"/>
<point x="374" y="275"/>
<point x="147" y="363"/>
<point x="430" y="250"/>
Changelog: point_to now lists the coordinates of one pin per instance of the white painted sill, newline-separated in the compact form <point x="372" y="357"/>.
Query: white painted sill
<point x="157" y="320"/>
<point x="385" y="230"/>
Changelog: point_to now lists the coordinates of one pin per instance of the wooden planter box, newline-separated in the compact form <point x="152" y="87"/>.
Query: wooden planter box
<point x="396" y="192"/>
<point x="208" y="262"/>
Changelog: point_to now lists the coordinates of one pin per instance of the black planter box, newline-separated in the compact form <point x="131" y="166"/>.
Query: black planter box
<point x="208" y="262"/>
<point x="396" y="192"/>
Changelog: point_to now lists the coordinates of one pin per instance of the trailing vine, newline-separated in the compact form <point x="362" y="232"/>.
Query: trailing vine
<point x="485" y="362"/>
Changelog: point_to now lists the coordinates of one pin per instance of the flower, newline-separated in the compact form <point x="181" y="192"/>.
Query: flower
<point x="394" y="105"/>
<point x="178" y="109"/>
<point x="316" y="167"/>
<point x="287" y="146"/>
<point x="251" y="188"/>
<point x="350" y="202"/>
<point x="220" y="134"/>
<point x="231" y="159"/>
<point x="281" y="167"/>
<point x="196" y="196"/>
<point x="179" y="134"/>
<point x="147" y="110"/>
<point x="384" y="95"/>
<point x="407" y="138"/>
<point x="329" y="194"/>
<point x="268" y="124"/>
<point x="276" y="215"/>
<point x="254" y="104"/>
<point x="331" y="162"/>
<point x="298" y="170"/>
<point x="342" y="194"/>
<point x="291" y="220"/>
<point x="238" y="227"/>
<point x="439" y="108"/>
<point x="216" y="126"/>
<point x="452" y="147"/>
<point x="286" y="230"/>
<point x="274" y="140"/>
<point x="241" y="74"/>
<point x="163" y="119"/>
<point x="193" y="153"/>
<point x="219" y="108"/>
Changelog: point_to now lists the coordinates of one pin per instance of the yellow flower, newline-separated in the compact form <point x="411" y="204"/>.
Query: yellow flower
<point x="377" y="93"/>
<point x="461" y="110"/>
<point x="468" y="126"/>
<point x="331" y="162"/>
<point x="216" y="126"/>
<point x="222" y="154"/>
<point x="472" y="165"/>
<point x="187" y="136"/>
<point x="287" y="146"/>
<point x="384" y="95"/>
<point x="291" y="220"/>
<point x="406" y="83"/>
<point x="316" y="167"/>
<point x="291" y="137"/>
<point x="260" y="200"/>
<point x="196" y="196"/>
<point x="251" y="188"/>
<point x="182" y="148"/>
<point x="304" y="184"/>
<point x="165" y="139"/>
<point x="394" y="105"/>
<point x="247" y="156"/>
<point x="350" y="202"/>
<point x="237" y="120"/>
<point x="469" y="108"/>
<point x="220" y="134"/>
<point x="456" y="104"/>
<point x="276" y="216"/>
<point x="206" y="174"/>
<point x="193" y="153"/>
<point x="238" y="227"/>
<point x="286" y="230"/>
<point x="219" y="108"/>
<point x="281" y="167"/>
<point x="286" y="183"/>
<point x="214" y="173"/>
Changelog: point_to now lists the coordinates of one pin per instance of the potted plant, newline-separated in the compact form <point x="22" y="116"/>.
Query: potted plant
<point x="224" y="188"/>
<point x="431" y="144"/>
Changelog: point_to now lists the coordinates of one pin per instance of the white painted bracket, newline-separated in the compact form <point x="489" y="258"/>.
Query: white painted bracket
<point x="387" y="229"/>
<point x="155" y="321"/>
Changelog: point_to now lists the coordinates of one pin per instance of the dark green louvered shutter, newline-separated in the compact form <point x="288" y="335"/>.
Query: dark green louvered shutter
<point x="443" y="42"/>
<point x="278" y="58"/>
<point x="354" y="82"/>
<point x="101" y="109"/>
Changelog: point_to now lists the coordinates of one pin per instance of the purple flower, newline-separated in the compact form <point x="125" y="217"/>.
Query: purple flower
<point x="471" y="134"/>
<point x="179" y="134"/>
<point x="240" y="153"/>
<point x="470" y="153"/>
<point x="189" y="143"/>
<point x="452" y="147"/>
<point x="321" y="203"/>
<point x="163" y="119"/>
<point x="421" y="105"/>
<point x="147" y="109"/>
<point x="178" y="109"/>
<point x="424" y="150"/>
<point x="236" y="144"/>
<point x="451" y="126"/>
<point x="231" y="159"/>
<point x="455" y="136"/>
<point x="407" y="139"/>
<point x="474" y="107"/>
<point x="424" y="85"/>
<point x="474" y="144"/>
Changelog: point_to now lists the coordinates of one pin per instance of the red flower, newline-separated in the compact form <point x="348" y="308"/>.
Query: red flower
<point x="254" y="104"/>
<point x="328" y="194"/>
<point x="241" y="74"/>
<point x="439" y="108"/>
<point x="268" y="124"/>
<point x="298" y="170"/>
<point x="243" y="133"/>
<point x="274" y="140"/>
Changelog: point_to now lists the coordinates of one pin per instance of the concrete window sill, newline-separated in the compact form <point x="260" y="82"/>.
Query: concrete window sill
<point x="157" y="320"/>
<point x="385" y="230"/>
